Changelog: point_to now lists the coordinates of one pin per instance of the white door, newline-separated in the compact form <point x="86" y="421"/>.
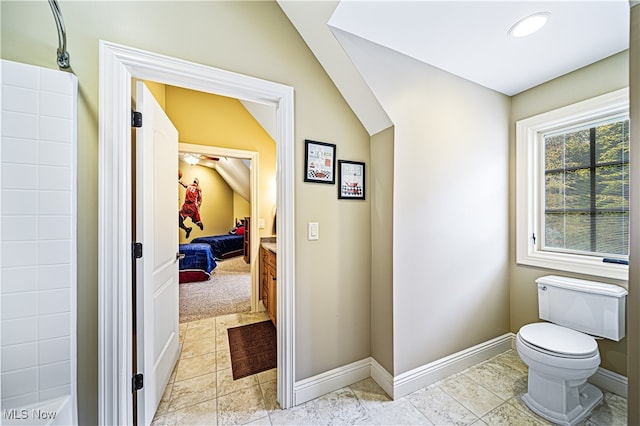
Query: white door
<point x="157" y="271"/>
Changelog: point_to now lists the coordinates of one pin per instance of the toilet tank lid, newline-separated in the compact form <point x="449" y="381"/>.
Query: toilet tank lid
<point x="582" y="285"/>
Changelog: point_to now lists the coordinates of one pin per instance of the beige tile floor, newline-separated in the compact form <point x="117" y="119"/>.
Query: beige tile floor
<point x="201" y="391"/>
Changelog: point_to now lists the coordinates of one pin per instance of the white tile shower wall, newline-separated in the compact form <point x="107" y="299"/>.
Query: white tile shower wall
<point x="37" y="234"/>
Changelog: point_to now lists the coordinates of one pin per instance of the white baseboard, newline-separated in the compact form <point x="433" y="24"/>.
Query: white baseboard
<point x="418" y="378"/>
<point x="610" y="381"/>
<point x="382" y="377"/>
<point x="399" y="386"/>
<point x="423" y="376"/>
<point x="324" y="383"/>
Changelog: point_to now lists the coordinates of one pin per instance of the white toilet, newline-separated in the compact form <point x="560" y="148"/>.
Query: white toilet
<point x="562" y="354"/>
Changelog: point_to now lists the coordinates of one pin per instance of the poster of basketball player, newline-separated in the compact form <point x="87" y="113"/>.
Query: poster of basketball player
<point x="191" y="206"/>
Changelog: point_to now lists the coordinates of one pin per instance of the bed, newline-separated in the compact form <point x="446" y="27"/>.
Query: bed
<point x="223" y="246"/>
<point x="196" y="263"/>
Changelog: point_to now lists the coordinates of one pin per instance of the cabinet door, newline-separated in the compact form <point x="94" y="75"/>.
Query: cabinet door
<point x="272" y="286"/>
<point x="264" y="276"/>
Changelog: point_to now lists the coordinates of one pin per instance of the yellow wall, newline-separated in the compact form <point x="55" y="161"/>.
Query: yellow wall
<point x="205" y="119"/>
<point x="241" y="207"/>
<point x="222" y="204"/>
<point x="216" y="211"/>
<point x="158" y="92"/>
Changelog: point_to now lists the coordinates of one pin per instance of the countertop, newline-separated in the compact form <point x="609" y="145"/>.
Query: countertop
<point x="269" y="243"/>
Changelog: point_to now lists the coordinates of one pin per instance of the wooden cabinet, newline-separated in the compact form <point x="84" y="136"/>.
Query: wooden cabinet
<point x="269" y="282"/>
<point x="247" y="239"/>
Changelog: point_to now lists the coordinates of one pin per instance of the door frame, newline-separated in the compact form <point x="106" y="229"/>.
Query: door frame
<point x="118" y="66"/>
<point x="254" y="184"/>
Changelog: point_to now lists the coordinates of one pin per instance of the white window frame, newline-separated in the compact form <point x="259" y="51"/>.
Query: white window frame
<point x="530" y="189"/>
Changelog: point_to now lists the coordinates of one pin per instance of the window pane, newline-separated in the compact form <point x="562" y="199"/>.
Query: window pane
<point x="567" y="231"/>
<point x="587" y="204"/>
<point x="568" y="190"/>
<point x="577" y="149"/>
<point x="613" y="233"/>
<point x="554" y="152"/>
<point x="577" y="189"/>
<point x="554" y="191"/>
<point x="612" y="187"/>
<point x="612" y="142"/>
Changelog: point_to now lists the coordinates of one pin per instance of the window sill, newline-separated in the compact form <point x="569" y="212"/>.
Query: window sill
<point x="575" y="263"/>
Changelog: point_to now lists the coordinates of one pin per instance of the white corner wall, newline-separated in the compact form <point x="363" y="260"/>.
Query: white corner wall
<point x="38" y="235"/>
<point x="450" y="205"/>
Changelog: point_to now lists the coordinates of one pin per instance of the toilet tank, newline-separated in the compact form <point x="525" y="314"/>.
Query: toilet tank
<point x="591" y="307"/>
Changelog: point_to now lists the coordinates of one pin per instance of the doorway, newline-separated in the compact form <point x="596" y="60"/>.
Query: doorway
<point x="118" y="65"/>
<point x="253" y="159"/>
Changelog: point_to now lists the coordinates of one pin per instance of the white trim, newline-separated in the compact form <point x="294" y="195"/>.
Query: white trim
<point x="382" y="377"/>
<point x="420" y="377"/>
<point x="527" y="201"/>
<point x="610" y="381"/>
<point x="329" y="381"/>
<point x="403" y="384"/>
<point x="254" y="184"/>
<point x="74" y="256"/>
<point x="118" y="65"/>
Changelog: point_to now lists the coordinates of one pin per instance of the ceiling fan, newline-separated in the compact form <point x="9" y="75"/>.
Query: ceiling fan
<point x="202" y="159"/>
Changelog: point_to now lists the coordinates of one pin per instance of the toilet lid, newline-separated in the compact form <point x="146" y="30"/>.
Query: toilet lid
<point x="559" y="339"/>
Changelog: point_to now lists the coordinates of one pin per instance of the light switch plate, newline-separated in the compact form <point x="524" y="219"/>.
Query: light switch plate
<point x="260" y="223"/>
<point x="313" y="231"/>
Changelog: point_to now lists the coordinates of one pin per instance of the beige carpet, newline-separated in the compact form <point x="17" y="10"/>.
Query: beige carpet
<point x="228" y="291"/>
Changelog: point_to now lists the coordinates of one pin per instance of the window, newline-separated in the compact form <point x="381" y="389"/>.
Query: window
<point x="572" y="194"/>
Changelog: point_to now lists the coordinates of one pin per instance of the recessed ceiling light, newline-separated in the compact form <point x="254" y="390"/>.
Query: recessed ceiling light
<point x="529" y="25"/>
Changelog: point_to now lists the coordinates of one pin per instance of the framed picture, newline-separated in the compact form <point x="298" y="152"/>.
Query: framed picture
<point x="319" y="162"/>
<point x="351" y="180"/>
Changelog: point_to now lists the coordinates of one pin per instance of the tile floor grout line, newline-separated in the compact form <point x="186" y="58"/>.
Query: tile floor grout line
<point x="507" y="363"/>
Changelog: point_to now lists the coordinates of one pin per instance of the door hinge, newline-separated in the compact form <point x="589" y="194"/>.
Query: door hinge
<point x="137" y="382"/>
<point x="136" y="119"/>
<point x="136" y="250"/>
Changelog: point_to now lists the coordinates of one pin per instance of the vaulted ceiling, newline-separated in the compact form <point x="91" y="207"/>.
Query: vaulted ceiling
<point x="467" y="38"/>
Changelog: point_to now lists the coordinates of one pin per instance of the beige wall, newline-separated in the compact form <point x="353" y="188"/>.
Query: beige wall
<point x="633" y="315"/>
<point x="381" y="185"/>
<point x="602" y="77"/>
<point x="332" y="280"/>
<point x="450" y="136"/>
<point x="216" y="211"/>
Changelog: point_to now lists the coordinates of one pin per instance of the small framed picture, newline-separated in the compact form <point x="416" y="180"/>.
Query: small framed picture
<point x="351" y="180"/>
<point x="319" y="162"/>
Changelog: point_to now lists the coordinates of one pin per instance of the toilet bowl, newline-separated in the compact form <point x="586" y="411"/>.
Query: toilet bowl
<point x="560" y="361"/>
<point x="562" y="354"/>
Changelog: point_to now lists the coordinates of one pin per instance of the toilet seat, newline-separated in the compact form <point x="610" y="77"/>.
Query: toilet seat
<point x="558" y="341"/>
